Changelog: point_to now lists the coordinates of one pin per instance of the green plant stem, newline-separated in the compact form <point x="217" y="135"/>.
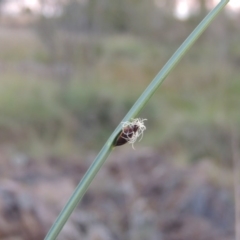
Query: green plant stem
<point x="136" y="108"/>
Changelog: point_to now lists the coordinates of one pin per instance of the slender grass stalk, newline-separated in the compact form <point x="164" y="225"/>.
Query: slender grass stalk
<point x="136" y="108"/>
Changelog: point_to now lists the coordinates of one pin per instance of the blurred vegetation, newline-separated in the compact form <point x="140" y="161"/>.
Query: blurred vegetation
<point x="67" y="81"/>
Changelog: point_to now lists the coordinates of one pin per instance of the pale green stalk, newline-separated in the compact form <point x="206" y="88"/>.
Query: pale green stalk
<point x="139" y="104"/>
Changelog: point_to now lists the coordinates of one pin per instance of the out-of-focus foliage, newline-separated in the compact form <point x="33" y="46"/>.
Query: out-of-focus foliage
<point x="79" y="72"/>
<point x="68" y="79"/>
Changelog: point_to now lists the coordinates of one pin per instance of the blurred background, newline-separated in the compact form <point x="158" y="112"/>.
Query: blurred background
<point x="70" y="71"/>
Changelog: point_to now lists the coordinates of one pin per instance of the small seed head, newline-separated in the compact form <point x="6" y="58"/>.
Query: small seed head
<point x="131" y="131"/>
